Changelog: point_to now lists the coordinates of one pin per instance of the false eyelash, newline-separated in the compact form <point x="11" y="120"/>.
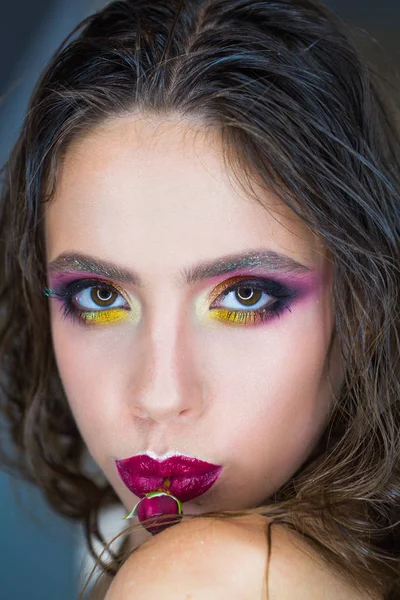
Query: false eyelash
<point x="69" y="290"/>
<point x="75" y="314"/>
<point x="269" y="286"/>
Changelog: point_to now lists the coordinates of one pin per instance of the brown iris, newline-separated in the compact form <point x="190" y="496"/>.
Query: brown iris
<point x="102" y="296"/>
<point x="248" y="295"/>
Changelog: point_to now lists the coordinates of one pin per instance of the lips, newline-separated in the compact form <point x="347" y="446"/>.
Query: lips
<point x="182" y="476"/>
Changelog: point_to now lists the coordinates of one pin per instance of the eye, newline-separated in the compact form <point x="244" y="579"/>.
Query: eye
<point x="252" y="294"/>
<point x="250" y="301"/>
<point x="92" y="302"/>
<point x="246" y="296"/>
<point x="98" y="297"/>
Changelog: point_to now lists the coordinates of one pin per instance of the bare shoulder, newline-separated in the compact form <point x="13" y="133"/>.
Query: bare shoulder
<point x="298" y="572"/>
<point x="199" y="558"/>
<point x="205" y="558"/>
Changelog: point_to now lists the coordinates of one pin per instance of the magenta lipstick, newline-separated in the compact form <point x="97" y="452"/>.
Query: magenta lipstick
<point x="163" y="485"/>
<point x="182" y="476"/>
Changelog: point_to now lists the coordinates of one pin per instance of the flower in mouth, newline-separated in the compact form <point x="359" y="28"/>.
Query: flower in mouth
<point x="160" y="506"/>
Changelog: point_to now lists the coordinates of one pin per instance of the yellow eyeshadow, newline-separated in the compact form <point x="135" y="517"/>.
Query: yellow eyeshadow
<point x="237" y="317"/>
<point x="106" y="317"/>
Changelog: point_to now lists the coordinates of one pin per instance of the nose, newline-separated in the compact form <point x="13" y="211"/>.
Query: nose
<point x="166" y="385"/>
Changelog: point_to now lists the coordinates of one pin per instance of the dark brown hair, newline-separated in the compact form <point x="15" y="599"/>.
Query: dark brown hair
<point x="297" y="107"/>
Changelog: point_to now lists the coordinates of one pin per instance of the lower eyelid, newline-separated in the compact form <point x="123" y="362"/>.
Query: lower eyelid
<point x="105" y="316"/>
<point x="242" y="318"/>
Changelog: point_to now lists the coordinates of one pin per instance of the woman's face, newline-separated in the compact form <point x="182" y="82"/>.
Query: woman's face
<point x="167" y="360"/>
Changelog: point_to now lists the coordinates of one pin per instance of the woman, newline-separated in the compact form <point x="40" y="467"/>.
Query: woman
<point x="200" y="284"/>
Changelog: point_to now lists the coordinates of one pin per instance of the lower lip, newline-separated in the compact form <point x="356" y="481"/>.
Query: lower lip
<point x="183" y="487"/>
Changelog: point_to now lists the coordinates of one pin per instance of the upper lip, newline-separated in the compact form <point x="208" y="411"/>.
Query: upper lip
<point x="175" y="465"/>
<point x="187" y="477"/>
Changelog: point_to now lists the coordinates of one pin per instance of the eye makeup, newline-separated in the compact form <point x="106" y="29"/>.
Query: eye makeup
<point x="281" y="293"/>
<point x="68" y="293"/>
<point x="247" y="293"/>
<point x="258" y="299"/>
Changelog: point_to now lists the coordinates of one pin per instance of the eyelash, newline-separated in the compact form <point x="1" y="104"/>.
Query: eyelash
<point x="283" y="298"/>
<point x="282" y="295"/>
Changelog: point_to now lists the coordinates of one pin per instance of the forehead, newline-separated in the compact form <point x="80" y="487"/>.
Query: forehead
<point x="134" y="185"/>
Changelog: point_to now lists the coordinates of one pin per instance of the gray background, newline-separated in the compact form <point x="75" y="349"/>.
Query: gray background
<point x="38" y="549"/>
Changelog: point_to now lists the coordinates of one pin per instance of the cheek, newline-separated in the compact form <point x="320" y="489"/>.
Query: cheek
<point x="271" y="387"/>
<point x="85" y="364"/>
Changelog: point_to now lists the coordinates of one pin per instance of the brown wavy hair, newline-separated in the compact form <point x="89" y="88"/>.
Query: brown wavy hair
<point x="299" y="108"/>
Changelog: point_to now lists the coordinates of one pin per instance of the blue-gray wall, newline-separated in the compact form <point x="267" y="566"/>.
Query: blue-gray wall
<point x="37" y="547"/>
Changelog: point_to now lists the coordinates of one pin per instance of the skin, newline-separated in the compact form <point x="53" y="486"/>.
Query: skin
<point x="155" y="197"/>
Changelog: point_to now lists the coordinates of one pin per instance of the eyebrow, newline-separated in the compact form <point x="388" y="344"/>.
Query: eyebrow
<point x="250" y="260"/>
